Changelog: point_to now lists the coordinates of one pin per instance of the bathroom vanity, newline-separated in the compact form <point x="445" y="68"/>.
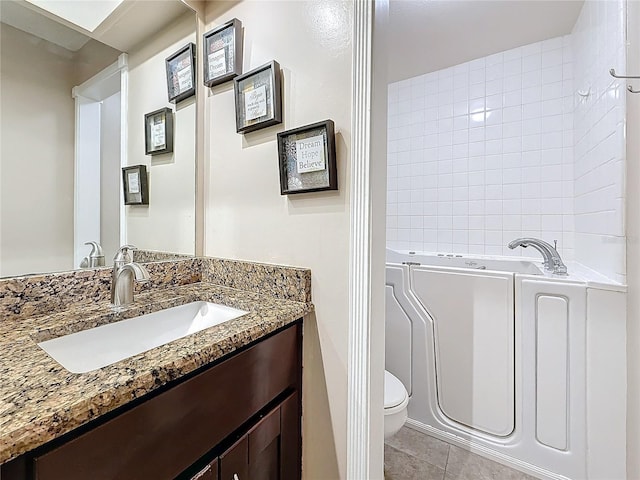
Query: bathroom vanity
<point x="222" y="403"/>
<point x="240" y="416"/>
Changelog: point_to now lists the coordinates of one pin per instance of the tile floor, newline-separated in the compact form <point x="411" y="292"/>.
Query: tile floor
<point x="411" y="455"/>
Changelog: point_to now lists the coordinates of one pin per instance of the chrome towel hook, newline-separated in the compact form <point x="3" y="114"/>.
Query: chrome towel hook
<point x="629" y="87"/>
<point x="615" y="75"/>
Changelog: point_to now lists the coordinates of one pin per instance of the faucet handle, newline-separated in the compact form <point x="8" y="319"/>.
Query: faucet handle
<point x="555" y="244"/>
<point x="123" y="255"/>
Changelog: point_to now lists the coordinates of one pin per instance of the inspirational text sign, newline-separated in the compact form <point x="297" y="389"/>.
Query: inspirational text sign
<point x="217" y="63"/>
<point x="310" y="154"/>
<point x="255" y="103"/>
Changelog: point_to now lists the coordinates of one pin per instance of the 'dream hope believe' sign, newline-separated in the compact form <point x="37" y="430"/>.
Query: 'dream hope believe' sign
<point x="310" y="154"/>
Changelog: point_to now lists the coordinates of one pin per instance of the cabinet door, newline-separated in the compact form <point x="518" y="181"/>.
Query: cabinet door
<point x="269" y="450"/>
<point x="290" y="438"/>
<point x="265" y="448"/>
<point x="234" y="463"/>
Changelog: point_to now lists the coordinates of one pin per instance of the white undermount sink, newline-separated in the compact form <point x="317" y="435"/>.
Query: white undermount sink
<point x="98" y="347"/>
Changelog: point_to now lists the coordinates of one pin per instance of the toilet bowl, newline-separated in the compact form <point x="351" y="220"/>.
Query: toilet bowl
<point x="396" y="400"/>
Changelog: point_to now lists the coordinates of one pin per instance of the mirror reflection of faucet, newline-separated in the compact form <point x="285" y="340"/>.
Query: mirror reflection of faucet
<point x="125" y="271"/>
<point x="95" y="258"/>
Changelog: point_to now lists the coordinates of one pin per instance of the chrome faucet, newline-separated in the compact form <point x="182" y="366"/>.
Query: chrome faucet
<point x="95" y="258"/>
<point x="552" y="260"/>
<point x="125" y="270"/>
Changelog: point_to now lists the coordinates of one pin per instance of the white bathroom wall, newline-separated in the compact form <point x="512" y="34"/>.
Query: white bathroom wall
<point x="36" y="152"/>
<point x="110" y="176"/>
<point x="167" y="223"/>
<point x="481" y="153"/>
<point x="247" y="218"/>
<point x="599" y="133"/>
<point x="37" y="148"/>
<point x="632" y="216"/>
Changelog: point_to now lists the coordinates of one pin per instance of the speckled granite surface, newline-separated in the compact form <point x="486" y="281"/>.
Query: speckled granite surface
<point x="143" y="256"/>
<point x="40" y="294"/>
<point x="40" y="400"/>
<point x="289" y="283"/>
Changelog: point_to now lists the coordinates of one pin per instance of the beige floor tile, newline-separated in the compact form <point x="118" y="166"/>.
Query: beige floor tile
<point x="464" y="465"/>
<point x="422" y="446"/>
<point x="402" y="466"/>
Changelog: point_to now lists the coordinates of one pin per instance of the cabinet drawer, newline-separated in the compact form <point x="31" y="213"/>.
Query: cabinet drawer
<point x="166" y="434"/>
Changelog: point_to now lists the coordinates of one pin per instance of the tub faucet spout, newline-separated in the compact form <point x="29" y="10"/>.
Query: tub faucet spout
<point x="552" y="260"/>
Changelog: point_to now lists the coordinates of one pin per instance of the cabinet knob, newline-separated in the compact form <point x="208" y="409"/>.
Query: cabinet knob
<point x="235" y="476"/>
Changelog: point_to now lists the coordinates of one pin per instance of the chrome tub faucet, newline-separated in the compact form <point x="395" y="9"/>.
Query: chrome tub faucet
<point x="552" y="260"/>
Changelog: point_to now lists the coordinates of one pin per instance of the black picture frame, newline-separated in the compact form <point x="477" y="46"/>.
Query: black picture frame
<point x="181" y="73"/>
<point x="158" y="132"/>
<point x="136" y="185"/>
<point x="320" y="172"/>
<point x="222" y="53"/>
<point x="258" y="98"/>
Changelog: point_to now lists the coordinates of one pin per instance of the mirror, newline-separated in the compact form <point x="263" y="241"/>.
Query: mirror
<point x="72" y="113"/>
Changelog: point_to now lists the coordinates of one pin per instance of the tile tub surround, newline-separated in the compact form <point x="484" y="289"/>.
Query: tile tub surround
<point x="40" y="400"/>
<point x="482" y="152"/>
<point x="527" y="142"/>
<point x="599" y="42"/>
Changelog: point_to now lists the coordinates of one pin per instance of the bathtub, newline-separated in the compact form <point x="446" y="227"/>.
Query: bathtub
<point x="464" y="261"/>
<point x="493" y="354"/>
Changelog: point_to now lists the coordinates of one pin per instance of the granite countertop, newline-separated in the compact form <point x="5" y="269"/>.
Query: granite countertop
<point x="40" y="400"/>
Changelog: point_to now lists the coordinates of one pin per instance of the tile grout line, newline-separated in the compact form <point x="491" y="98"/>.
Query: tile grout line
<point x="446" y="464"/>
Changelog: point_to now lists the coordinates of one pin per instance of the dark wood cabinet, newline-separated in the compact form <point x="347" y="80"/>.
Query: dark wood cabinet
<point x="239" y="418"/>
<point x="269" y="450"/>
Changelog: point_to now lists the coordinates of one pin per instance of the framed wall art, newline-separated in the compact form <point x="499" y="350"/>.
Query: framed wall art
<point x="181" y="74"/>
<point x="258" y="98"/>
<point x="222" y="53"/>
<point x="307" y="157"/>
<point x="136" y="185"/>
<point x="158" y="130"/>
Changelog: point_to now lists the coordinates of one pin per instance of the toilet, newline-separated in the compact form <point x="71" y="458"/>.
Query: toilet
<point x="396" y="400"/>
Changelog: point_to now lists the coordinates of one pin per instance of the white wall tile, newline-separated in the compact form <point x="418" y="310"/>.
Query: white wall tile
<point x="598" y="154"/>
<point x="498" y="147"/>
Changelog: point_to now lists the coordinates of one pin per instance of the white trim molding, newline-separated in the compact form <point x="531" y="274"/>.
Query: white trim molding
<point x="359" y="383"/>
<point x="123" y="62"/>
<point x="93" y="91"/>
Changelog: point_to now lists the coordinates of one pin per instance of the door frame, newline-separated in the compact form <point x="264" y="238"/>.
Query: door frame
<point x="367" y="239"/>
<point x="89" y="95"/>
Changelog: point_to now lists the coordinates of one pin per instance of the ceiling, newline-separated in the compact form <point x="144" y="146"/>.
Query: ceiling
<point x="87" y="15"/>
<point x="428" y="35"/>
<point x="30" y="21"/>
<point x="129" y="24"/>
